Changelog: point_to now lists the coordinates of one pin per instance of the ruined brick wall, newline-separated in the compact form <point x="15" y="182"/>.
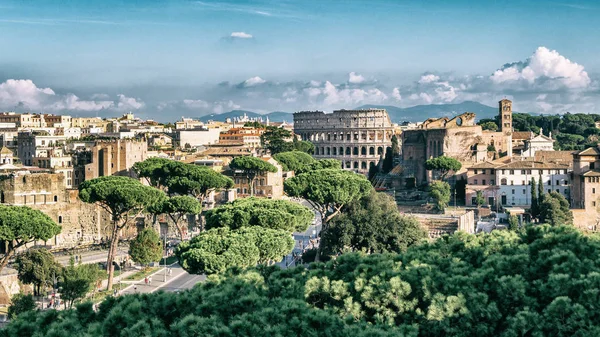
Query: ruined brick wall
<point x="81" y="223"/>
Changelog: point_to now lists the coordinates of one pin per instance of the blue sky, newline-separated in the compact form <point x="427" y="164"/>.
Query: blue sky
<point x="196" y="57"/>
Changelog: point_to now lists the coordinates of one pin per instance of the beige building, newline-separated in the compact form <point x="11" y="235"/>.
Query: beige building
<point x="244" y="136"/>
<point x="268" y="185"/>
<point x="25" y="120"/>
<point x="586" y="188"/>
<point x="357" y="138"/>
<point x="115" y="157"/>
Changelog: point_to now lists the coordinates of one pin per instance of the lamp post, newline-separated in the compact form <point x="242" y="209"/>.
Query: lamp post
<point x="165" y="244"/>
<point x="454" y="197"/>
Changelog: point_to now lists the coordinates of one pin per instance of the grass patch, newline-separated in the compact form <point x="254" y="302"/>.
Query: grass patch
<point x="141" y="274"/>
<point x="116" y="274"/>
<point x="170" y="260"/>
<point x="99" y="296"/>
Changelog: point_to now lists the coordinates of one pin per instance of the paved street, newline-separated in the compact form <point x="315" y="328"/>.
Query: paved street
<point x="93" y="256"/>
<point x="179" y="280"/>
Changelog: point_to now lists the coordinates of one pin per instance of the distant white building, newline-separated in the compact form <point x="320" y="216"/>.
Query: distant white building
<point x="538" y="143"/>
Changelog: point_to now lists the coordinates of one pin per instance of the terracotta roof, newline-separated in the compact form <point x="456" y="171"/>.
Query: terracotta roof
<point x="554" y="156"/>
<point x="592" y="173"/>
<point x="5" y="150"/>
<point x="522" y="135"/>
<point x="590" y="151"/>
<point x="484" y="165"/>
<point x="530" y="164"/>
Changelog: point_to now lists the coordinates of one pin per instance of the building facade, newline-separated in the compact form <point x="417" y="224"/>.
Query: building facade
<point x="357" y="138"/>
<point x="459" y="137"/>
<point x="115" y="157"/>
<point x="508" y="183"/>
<point x="267" y="185"/>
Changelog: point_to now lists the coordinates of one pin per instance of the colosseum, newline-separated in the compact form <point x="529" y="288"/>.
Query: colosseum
<point x="357" y="138"/>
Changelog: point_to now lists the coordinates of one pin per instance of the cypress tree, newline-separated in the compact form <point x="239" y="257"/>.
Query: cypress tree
<point x="534" y="200"/>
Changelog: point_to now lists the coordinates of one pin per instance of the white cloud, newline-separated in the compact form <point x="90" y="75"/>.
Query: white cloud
<point x="196" y="104"/>
<point x="396" y="94"/>
<point x="241" y="35"/>
<point x="544" y="64"/>
<point x="355" y="78"/>
<point x="125" y="103"/>
<point x="256" y="80"/>
<point x="428" y="78"/>
<point x="24" y="95"/>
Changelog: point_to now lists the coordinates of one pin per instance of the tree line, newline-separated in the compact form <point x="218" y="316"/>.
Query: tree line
<point x="538" y="281"/>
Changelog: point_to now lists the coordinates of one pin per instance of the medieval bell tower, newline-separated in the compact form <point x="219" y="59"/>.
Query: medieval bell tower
<point x="505" y="115"/>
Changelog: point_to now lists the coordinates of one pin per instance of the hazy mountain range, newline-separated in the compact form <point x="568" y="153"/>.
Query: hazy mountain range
<point x="412" y="114"/>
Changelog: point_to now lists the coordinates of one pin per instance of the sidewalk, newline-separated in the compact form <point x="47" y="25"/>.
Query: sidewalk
<point x="158" y="281"/>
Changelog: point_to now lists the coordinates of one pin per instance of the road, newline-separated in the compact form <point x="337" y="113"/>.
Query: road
<point x="93" y="256"/>
<point x="179" y="280"/>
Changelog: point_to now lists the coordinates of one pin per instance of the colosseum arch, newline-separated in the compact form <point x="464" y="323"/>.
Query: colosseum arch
<point x="372" y="151"/>
<point x="363" y="150"/>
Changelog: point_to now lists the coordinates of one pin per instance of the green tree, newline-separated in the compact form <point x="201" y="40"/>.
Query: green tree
<point x="479" y="199"/>
<point x="37" y="267"/>
<point x="123" y="199"/>
<point x="219" y="249"/>
<point x="146" y="247"/>
<point x="321" y="164"/>
<point x="177" y="208"/>
<point x="21" y="303"/>
<point x="443" y="164"/>
<point x="373" y="225"/>
<point x="303" y="146"/>
<point x="251" y="167"/>
<point x="513" y="222"/>
<point x="77" y="281"/>
<point x="440" y="192"/>
<point x="554" y="210"/>
<point x="293" y="160"/>
<point x="267" y="213"/>
<point x="390" y="153"/>
<point x="20" y="225"/>
<point x="276" y="140"/>
<point x="535" y="207"/>
<point x="491" y="126"/>
<point x="327" y="191"/>
<point x="194" y="180"/>
<point x="154" y="170"/>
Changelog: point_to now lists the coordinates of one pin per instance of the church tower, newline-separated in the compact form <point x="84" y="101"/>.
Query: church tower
<point x="505" y="115"/>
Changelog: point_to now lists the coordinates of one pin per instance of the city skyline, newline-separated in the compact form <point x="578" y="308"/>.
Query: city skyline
<point x="166" y="59"/>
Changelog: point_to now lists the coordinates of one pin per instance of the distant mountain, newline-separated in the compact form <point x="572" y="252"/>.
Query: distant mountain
<point x="420" y="113"/>
<point x="277" y="116"/>
<point x="417" y="113"/>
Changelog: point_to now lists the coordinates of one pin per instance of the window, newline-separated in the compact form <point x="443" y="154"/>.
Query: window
<point x="237" y="180"/>
<point x="492" y="182"/>
<point x="522" y="182"/>
<point x="59" y="219"/>
<point x="528" y="171"/>
<point x="541" y="172"/>
<point x="512" y="182"/>
<point x="594" y="190"/>
<point x="549" y="190"/>
<point x="474" y="181"/>
<point x="557" y="191"/>
<point x="566" y="191"/>
<point x="522" y="171"/>
<point x="503" y="181"/>
<point x="56" y="198"/>
<point x="511" y="172"/>
<point x="513" y="191"/>
<point x="483" y="171"/>
<point x="502" y="171"/>
<point x="593" y="203"/>
<point x="549" y="182"/>
<point x="476" y="171"/>
<point x="483" y="182"/>
<point x="492" y="171"/>
<point x="592" y="166"/>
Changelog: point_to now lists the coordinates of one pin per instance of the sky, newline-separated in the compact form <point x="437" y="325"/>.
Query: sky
<point x="167" y="59"/>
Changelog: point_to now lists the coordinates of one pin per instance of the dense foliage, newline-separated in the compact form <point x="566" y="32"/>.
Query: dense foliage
<point x="21" y="303"/>
<point x="20" y="225"/>
<point x="372" y="225"/>
<point x="76" y="281"/>
<point x="268" y="213"/>
<point x="278" y="140"/>
<point x="37" y="267"/>
<point x="440" y="192"/>
<point x="218" y="249"/>
<point x="146" y="247"/>
<point x="178" y="178"/>
<point x="554" y="209"/>
<point x="293" y="160"/>
<point x="541" y="281"/>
